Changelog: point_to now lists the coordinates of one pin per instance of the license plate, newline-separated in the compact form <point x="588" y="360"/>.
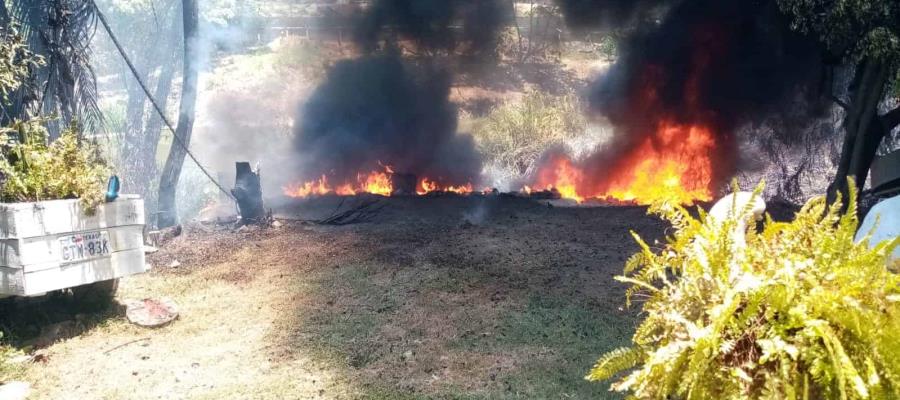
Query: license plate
<point x="83" y="246"/>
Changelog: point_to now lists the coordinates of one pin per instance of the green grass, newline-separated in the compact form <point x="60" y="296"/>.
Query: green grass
<point x="566" y="337"/>
<point x="552" y="339"/>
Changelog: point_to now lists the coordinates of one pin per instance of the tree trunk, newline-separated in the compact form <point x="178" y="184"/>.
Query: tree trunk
<point x="168" y="182"/>
<point x="162" y="54"/>
<point x="144" y="162"/>
<point x="863" y="128"/>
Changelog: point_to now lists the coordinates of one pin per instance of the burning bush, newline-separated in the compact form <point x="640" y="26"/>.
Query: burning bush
<point x="798" y="311"/>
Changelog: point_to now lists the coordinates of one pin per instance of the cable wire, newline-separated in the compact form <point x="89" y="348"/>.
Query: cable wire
<point x="156" y="106"/>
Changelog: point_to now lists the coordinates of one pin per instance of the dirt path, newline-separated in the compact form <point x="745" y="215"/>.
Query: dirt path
<point x="438" y="298"/>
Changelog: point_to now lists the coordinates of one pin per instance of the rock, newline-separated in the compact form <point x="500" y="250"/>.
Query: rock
<point x="248" y="228"/>
<point x="150" y="249"/>
<point x="276" y="224"/>
<point x="407" y="355"/>
<point x="15" y="390"/>
<point x="151" y="313"/>
<point x="174" y="264"/>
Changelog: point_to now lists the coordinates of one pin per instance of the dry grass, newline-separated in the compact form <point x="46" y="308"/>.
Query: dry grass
<point x="515" y="135"/>
<point x="413" y="306"/>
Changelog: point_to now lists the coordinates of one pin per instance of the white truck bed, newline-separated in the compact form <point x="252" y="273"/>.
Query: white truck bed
<point x="52" y="245"/>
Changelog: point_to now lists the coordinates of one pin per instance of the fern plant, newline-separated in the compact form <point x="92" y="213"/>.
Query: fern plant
<point x="797" y="311"/>
<point x="35" y="169"/>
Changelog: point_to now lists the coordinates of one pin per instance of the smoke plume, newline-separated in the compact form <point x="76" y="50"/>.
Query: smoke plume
<point x="716" y="64"/>
<point x="383" y="109"/>
<point x="376" y="110"/>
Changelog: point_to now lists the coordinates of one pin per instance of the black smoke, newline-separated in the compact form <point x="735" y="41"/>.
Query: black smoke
<point x="388" y="107"/>
<point x="377" y="110"/>
<point x="723" y="64"/>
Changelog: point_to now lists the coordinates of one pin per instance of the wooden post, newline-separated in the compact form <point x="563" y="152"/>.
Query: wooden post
<point x="248" y="193"/>
<point x="403" y="184"/>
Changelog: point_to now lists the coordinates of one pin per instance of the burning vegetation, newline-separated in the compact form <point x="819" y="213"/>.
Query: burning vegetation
<point x="679" y="93"/>
<point x="380" y="183"/>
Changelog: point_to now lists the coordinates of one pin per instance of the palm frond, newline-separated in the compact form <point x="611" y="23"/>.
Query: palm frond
<point x="61" y="32"/>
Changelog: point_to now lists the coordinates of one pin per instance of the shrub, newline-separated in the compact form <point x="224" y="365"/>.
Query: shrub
<point x="513" y="136"/>
<point x="800" y="311"/>
<point x="34" y="169"/>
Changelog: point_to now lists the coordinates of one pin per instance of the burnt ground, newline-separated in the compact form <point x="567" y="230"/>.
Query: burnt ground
<point x="445" y="297"/>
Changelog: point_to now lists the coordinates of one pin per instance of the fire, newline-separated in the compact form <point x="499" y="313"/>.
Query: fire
<point x="375" y="182"/>
<point x="428" y="186"/>
<point x="677" y="168"/>
<point x="673" y="164"/>
<point x="563" y="176"/>
<point x="316" y="187"/>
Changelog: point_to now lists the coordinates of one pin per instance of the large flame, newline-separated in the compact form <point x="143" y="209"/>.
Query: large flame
<point x="429" y="186"/>
<point x="672" y="164"/>
<point x="374" y="182"/>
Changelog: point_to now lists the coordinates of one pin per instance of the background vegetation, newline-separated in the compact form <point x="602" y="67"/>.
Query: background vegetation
<point x="514" y="135"/>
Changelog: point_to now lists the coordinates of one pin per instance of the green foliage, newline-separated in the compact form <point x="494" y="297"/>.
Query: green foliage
<point x="16" y="61"/>
<point x="849" y="26"/>
<point x="852" y="29"/>
<point x="516" y="134"/>
<point x="35" y="169"/>
<point x="800" y="311"/>
<point x="608" y="47"/>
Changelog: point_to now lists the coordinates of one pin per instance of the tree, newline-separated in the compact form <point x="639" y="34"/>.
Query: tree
<point x="60" y="32"/>
<point x="865" y="33"/>
<point x="168" y="182"/>
<point x="150" y="32"/>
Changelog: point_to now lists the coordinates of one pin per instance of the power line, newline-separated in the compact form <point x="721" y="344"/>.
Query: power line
<point x="156" y="106"/>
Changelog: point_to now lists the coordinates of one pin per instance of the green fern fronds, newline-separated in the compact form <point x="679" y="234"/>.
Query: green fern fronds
<point x="614" y="362"/>
<point x="797" y="311"/>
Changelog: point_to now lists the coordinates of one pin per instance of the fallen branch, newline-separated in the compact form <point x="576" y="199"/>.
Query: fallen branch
<point x="126" y="344"/>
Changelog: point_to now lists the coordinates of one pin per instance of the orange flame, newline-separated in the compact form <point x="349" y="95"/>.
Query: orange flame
<point x="675" y="164"/>
<point x="375" y="182"/>
<point x="316" y="187"/>
<point x="678" y="168"/>
<point x="428" y="186"/>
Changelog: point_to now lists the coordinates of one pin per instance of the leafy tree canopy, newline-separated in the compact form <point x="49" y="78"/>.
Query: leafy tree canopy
<point x="852" y="29"/>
